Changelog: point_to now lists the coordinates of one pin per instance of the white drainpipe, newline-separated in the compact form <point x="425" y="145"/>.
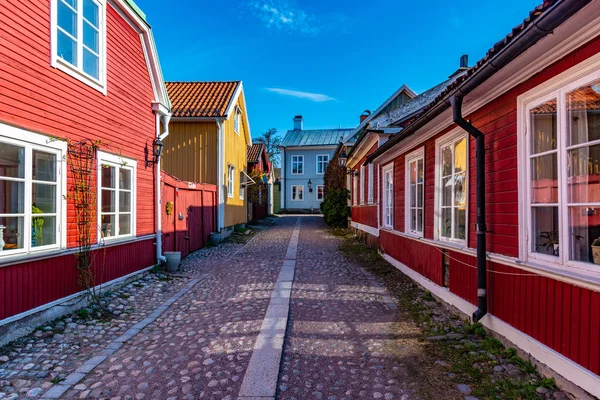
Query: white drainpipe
<point x="165" y="120"/>
<point x="220" y="174"/>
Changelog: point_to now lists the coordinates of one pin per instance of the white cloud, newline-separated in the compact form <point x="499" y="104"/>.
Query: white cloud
<point x="282" y="15"/>
<point x="316" y="97"/>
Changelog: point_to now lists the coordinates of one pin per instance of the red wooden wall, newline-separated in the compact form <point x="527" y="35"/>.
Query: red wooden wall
<point x="198" y="205"/>
<point x="366" y="214"/>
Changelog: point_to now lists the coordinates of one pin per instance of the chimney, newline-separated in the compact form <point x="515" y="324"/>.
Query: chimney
<point x="364" y="115"/>
<point x="464" y="62"/>
<point x="298" y="122"/>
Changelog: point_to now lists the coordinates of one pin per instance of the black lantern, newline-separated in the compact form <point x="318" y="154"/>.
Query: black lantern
<point x="310" y="186"/>
<point x="342" y="159"/>
<point x="157" y="149"/>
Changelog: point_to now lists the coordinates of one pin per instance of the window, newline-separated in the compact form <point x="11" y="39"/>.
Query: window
<point x="320" y="192"/>
<point x="322" y="161"/>
<point x="388" y="196"/>
<point x="562" y="163"/>
<point x="78" y="39"/>
<point x="371" y="183"/>
<point x="362" y="184"/>
<point x="230" y="180"/>
<point x="298" y="193"/>
<point x="451" y="184"/>
<point x="414" y="192"/>
<point x="297" y="165"/>
<point x="117" y="196"/>
<point x="237" y="121"/>
<point x="31" y="193"/>
<point x="354" y="188"/>
<point x="241" y="185"/>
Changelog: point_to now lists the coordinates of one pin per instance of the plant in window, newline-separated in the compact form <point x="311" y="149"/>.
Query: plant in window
<point x="549" y="242"/>
<point x="37" y="225"/>
<point x="596" y="250"/>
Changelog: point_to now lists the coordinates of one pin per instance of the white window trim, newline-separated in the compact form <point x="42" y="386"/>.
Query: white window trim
<point x="451" y="136"/>
<point x="389" y="168"/>
<point x="230" y="181"/>
<point x="556" y="87"/>
<point x="354" y="189"/>
<point x="371" y="179"/>
<point x="237" y="121"/>
<point x="300" y="160"/>
<point x="292" y="192"/>
<point x="362" y="185"/>
<point x="320" y="186"/>
<point x="120" y="162"/>
<point x="30" y="140"/>
<point x="322" y="162"/>
<point x="415" y="156"/>
<point x="77" y="72"/>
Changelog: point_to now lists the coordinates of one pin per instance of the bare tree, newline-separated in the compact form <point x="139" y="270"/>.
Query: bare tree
<point x="272" y="142"/>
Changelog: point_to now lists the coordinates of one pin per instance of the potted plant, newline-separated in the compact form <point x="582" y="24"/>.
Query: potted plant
<point x="550" y="242"/>
<point x="37" y="227"/>
<point x="596" y="250"/>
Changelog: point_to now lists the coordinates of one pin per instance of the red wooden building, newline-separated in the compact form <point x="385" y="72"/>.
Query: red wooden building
<point x="84" y="69"/>
<point x="488" y="195"/>
<point x="260" y="169"/>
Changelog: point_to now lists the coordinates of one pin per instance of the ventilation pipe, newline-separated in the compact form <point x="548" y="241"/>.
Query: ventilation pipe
<point x="456" y="102"/>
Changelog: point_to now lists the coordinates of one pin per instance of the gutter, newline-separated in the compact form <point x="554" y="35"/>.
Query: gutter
<point x="543" y="25"/>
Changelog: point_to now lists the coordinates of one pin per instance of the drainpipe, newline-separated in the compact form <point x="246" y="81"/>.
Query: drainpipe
<point x="456" y="102"/>
<point x="165" y="120"/>
<point x="284" y="181"/>
<point x="220" y="174"/>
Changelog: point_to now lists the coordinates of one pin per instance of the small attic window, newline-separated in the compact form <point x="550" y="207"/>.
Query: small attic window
<point x="237" y="121"/>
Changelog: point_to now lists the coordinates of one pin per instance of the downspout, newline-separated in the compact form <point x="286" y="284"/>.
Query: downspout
<point x="220" y="172"/>
<point x="456" y="102"/>
<point x="284" y="182"/>
<point x="165" y="120"/>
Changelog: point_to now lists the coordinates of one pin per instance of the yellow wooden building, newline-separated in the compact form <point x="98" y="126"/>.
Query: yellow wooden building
<point x="208" y="137"/>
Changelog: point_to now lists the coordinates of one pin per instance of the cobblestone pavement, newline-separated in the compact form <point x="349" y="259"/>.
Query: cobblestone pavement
<point x="346" y="339"/>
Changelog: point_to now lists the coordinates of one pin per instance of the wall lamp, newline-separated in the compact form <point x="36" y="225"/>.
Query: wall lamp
<point x="310" y="186"/>
<point x="157" y="150"/>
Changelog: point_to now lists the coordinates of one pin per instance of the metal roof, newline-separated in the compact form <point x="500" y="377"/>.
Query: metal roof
<point x="314" y="137"/>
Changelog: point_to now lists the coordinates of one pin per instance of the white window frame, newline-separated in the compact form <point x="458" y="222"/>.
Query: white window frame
<point x="354" y="188"/>
<point x="451" y="137"/>
<point x="322" y="191"/>
<point x="371" y="183"/>
<point x="411" y="158"/>
<point x="242" y="188"/>
<point x="299" y="161"/>
<point x="387" y="220"/>
<point x="230" y="181"/>
<point x="555" y="88"/>
<point x="237" y="121"/>
<point x="322" y="161"/>
<point x="118" y="162"/>
<point x="292" y="192"/>
<point x="33" y="141"/>
<point x="76" y="71"/>
<point x="362" y="185"/>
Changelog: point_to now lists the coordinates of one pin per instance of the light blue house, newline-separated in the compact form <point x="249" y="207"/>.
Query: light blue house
<point x="304" y="158"/>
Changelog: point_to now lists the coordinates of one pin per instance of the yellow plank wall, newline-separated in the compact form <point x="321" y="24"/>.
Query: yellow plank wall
<point x="190" y="151"/>
<point x="235" y="154"/>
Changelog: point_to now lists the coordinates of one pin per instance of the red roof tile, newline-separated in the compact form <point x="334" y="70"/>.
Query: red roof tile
<point x="201" y="99"/>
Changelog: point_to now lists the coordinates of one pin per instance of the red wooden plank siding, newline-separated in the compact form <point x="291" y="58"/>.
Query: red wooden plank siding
<point x="463" y="276"/>
<point x="366" y="215"/>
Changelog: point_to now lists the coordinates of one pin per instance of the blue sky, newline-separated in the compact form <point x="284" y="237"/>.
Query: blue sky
<point x="327" y="60"/>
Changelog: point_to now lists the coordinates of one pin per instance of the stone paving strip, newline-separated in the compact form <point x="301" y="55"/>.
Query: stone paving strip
<point x="80" y="373"/>
<point x="260" y="380"/>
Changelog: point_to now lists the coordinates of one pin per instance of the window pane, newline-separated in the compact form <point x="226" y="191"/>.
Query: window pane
<point x="420" y="171"/>
<point x="460" y="219"/>
<point x="67" y="19"/>
<point x="44" y="199"/>
<point x="108" y="201"/>
<point x="108" y="176"/>
<point x="12" y="161"/>
<point x="545" y="230"/>
<point x="413" y="172"/>
<point x="91" y="12"/>
<point x="13" y="232"/>
<point x="12" y="197"/>
<point x="107" y="225"/>
<point x="43" y="231"/>
<point x="44" y="166"/>
<point x="124" y="224"/>
<point x="419" y="220"/>
<point x="90" y="64"/>
<point x="447" y="191"/>
<point x="67" y="48"/>
<point x="413" y="219"/>
<point x="420" y="195"/>
<point x="544" y="179"/>
<point x="124" y="201"/>
<point x="91" y="37"/>
<point x="543" y="127"/>
<point x="446" y="161"/>
<point x="583" y="114"/>
<point x="125" y="178"/>
<point x="584" y="174"/>
<point x="446" y="223"/>
<point x="584" y="228"/>
<point x="460" y="155"/>
<point x="460" y="189"/>
<point x="413" y="195"/>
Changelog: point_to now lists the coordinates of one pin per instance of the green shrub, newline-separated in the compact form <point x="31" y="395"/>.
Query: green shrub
<point x="335" y="208"/>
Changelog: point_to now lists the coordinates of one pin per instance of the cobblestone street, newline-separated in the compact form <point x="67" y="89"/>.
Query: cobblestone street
<point x="346" y="338"/>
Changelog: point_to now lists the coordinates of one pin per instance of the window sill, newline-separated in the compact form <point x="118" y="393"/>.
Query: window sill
<point x="69" y="69"/>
